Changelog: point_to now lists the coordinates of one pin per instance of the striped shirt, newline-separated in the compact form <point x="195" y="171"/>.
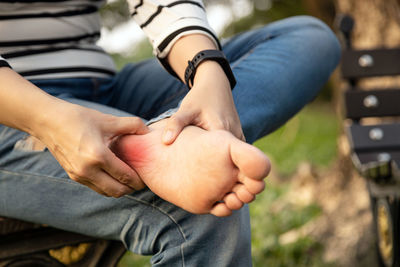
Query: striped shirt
<point x="46" y="39"/>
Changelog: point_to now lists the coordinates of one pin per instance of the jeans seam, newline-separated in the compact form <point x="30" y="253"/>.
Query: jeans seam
<point x="161" y="211"/>
<point x="183" y="257"/>
<point x="53" y="178"/>
<point x="68" y="181"/>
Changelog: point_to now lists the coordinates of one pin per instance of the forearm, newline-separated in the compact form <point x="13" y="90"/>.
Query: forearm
<point x="78" y="137"/>
<point x="185" y="49"/>
<point x="22" y="105"/>
<point x="209" y="103"/>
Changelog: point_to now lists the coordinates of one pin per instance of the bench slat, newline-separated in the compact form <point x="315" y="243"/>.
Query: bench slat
<point x="378" y="165"/>
<point x="367" y="157"/>
<point x="369" y="63"/>
<point x="372" y="103"/>
<point x="381" y="137"/>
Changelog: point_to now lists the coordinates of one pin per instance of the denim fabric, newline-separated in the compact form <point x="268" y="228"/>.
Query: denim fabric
<point x="279" y="69"/>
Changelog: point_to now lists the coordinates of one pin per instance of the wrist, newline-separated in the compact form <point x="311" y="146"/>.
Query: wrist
<point x="209" y="55"/>
<point x="185" y="48"/>
<point x="211" y="73"/>
<point x="50" y="117"/>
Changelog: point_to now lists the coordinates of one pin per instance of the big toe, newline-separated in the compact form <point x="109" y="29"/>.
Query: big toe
<point x="251" y="161"/>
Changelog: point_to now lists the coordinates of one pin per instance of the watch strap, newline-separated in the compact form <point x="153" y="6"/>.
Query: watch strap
<point x="214" y="55"/>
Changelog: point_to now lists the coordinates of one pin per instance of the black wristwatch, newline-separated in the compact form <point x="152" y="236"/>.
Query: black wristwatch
<point x="214" y="55"/>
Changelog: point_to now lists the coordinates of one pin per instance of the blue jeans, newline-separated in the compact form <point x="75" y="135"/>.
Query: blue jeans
<point x="279" y="69"/>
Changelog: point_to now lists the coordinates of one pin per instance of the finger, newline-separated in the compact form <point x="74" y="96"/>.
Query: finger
<point x="237" y="131"/>
<point x="105" y="185"/>
<point x="121" y="171"/>
<point x="128" y="125"/>
<point x="174" y="126"/>
<point x="93" y="187"/>
<point x="110" y="186"/>
<point x="241" y="136"/>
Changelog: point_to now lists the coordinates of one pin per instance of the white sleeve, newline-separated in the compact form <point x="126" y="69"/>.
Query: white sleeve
<point x="4" y="63"/>
<point x="165" y="21"/>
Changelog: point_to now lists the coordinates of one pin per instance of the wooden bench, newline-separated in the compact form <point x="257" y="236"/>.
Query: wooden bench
<point x="26" y="244"/>
<point x="375" y="147"/>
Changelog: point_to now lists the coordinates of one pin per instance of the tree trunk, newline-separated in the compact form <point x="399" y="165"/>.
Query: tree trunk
<point x="377" y="21"/>
<point x="377" y="25"/>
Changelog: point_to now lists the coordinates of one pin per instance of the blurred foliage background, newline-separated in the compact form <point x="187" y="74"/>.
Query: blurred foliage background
<point x="297" y="220"/>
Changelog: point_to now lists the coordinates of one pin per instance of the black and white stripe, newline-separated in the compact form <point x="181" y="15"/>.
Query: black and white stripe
<point x="61" y="62"/>
<point x="165" y="22"/>
<point x="53" y="38"/>
<point x="69" y="13"/>
<point x="74" y="39"/>
<point x="57" y="38"/>
<point x="4" y="63"/>
<point x="161" y="7"/>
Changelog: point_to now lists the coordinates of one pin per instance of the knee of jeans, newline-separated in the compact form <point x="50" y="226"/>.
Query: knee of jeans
<point x="322" y="38"/>
<point x="29" y="143"/>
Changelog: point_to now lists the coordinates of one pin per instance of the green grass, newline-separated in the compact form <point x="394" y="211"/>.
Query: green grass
<point x="310" y="136"/>
<point x="273" y="215"/>
<point x="132" y="260"/>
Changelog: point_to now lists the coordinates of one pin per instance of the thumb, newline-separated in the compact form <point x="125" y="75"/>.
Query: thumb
<point x="129" y="125"/>
<point x="174" y="127"/>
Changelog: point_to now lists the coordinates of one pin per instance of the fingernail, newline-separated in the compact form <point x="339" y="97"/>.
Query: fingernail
<point x="167" y="136"/>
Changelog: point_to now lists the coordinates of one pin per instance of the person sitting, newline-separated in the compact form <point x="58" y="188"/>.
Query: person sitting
<point x="146" y="155"/>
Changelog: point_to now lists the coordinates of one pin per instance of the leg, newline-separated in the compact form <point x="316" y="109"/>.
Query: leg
<point x="279" y="69"/>
<point x="144" y="89"/>
<point x="33" y="187"/>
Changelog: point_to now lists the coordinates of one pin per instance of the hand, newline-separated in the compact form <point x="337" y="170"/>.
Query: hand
<point x="79" y="138"/>
<point x="208" y="105"/>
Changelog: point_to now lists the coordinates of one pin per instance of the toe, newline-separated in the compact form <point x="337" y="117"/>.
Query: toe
<point x="253" y="186"/>
<point x="220" y="210"/>
<point x="243" y="194"/>
<point x="251" y="161"/>
<point x="233" y="202"/>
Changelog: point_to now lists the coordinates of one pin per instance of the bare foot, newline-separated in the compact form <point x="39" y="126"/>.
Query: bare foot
<point x="201" y="172"/>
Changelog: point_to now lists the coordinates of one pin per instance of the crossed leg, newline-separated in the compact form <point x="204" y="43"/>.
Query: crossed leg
<point x="201" y="172"/>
